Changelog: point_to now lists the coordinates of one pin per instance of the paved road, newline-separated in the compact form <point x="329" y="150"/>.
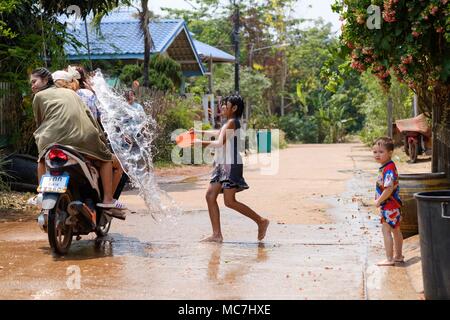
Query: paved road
<point x="322" y="243"/>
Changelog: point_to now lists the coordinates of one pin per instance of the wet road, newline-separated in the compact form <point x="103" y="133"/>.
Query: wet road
<point x="145" y="259"/>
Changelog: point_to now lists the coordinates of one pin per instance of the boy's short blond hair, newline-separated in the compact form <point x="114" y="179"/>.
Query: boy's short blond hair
<point x="385" y="142"/>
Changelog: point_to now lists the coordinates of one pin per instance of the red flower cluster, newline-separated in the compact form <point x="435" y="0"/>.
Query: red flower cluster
<point x="434" y="10"/>
<point x="357" y="65"/>
<point x="415" y="30"/>
<point x="408" y="59"/>
<point x="380" y="72"/>
<point x="367" y="51"/>
<point x="403" y="69"/>
<point x="422" y="18"/>
<point x="389" y="11"/>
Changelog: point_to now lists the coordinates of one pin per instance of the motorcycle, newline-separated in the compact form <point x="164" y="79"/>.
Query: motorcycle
<point x="413" y="145"/>
<point x="417" y="136"/>
<point x="70" y="189"/>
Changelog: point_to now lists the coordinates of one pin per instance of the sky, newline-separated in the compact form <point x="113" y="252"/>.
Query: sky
<point x="309" y="9"/>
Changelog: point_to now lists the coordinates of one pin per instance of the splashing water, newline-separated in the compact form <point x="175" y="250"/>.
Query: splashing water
<point x="131" y="133"/>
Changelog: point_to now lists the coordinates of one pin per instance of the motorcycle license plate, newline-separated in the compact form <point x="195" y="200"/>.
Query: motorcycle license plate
<point x="53" y="184"/>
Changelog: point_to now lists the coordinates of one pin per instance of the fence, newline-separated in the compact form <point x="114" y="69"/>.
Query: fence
<point x="9" y="102"/>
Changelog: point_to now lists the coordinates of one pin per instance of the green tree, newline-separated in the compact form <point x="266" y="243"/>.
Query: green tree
<point x="375" y="111"/>
<point x="263" y="23"/>
<point x="412" y="44"/>
<point x="164" y="73"/>
<point x="31" y="36"/>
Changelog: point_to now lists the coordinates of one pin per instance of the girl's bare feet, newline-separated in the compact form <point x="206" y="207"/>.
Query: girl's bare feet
<point x="213" y="238"/>
<point x="262" y="228"/>
<point x="386" y="263"/>
<point x="400" y="259"/>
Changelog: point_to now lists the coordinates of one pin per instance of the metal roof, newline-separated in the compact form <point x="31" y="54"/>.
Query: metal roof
<point x="119" y="37"/>
<point x="205" y="51"/>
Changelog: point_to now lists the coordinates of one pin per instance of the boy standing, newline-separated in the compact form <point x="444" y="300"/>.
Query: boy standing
<point x="388" y="201"/>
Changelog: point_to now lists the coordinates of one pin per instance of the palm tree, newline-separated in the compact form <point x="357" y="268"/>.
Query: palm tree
<point x="144" y="15"/>
<point x="144" y="20"/>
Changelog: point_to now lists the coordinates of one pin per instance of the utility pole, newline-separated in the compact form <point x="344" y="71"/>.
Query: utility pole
<point x="283" y="80"/>
<point x="237" y="52"/>
<point x="210" y="76"/>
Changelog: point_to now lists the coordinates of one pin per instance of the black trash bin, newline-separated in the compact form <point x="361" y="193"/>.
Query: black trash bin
<point x="433" y="211"/>
<point x="22" y="171"/>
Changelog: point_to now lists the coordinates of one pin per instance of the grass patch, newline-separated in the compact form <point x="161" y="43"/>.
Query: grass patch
<point x="166" y="165"/>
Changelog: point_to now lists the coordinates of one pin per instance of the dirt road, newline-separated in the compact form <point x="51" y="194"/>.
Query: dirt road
<point x="322" y="243"/>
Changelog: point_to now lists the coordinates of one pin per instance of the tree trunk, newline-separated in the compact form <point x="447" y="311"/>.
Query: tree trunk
<point x="390" y="111"/>
<point x="435" y="156"/>
<point x="283" y="81"/>
<point x="441" y="129"/>
<point x="145" y="19"/>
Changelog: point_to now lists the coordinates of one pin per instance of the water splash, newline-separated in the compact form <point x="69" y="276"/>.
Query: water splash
<point x="131" y="133"/>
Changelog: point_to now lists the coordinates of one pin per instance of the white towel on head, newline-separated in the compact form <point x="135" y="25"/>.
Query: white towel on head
<point x="68" y="75"/>
<point x="73" y="72"/>
<point x="62" y="75"/>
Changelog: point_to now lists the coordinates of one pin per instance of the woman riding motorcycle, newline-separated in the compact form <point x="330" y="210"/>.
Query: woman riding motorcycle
<point x="62" y="118"/>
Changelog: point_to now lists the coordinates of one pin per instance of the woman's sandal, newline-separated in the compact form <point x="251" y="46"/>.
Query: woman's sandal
<point x="402" y="260"/>
<point x="115" y="205"/>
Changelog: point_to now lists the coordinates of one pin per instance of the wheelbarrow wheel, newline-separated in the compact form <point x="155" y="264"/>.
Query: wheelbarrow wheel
<point x="413" y="151"/>
<point x="406" y="146"/>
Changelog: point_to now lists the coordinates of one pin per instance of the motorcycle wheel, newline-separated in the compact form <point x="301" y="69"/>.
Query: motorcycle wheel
<point x="413" y="150"/>
<point x="59" y="234"/>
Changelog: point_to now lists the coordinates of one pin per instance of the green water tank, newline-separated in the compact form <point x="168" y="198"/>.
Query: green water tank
<point x="264" y="140"/>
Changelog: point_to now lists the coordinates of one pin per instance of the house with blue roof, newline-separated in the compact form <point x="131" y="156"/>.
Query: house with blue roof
<point x="118" y="37"/>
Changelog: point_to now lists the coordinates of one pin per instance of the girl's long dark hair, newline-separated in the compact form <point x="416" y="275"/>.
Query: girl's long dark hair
<point x="236" y="100"/>
<point x="44" y="74"/>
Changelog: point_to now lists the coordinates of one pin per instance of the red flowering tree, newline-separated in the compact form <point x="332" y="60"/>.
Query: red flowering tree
<point x="407" y="39"/>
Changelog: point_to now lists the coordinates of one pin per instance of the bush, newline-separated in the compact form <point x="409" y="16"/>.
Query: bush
<point x="22" y="139"/>
<point x="375" y="111"/>
<point x="263" y="121"/>
<point x="4" y="186"/>
<point x="282" y="143"/>
<point x="369" y="134"/>
<point x="299" y="129"/>
<point x="171" y="113"/>
<point x="164" y="73"/>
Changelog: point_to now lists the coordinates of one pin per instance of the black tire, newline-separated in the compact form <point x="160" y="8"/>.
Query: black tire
<point x="22" y="171"/>
<point x="406" y="146"/>
<point x="413" y="151"/>
<point x="59" y="234"/>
